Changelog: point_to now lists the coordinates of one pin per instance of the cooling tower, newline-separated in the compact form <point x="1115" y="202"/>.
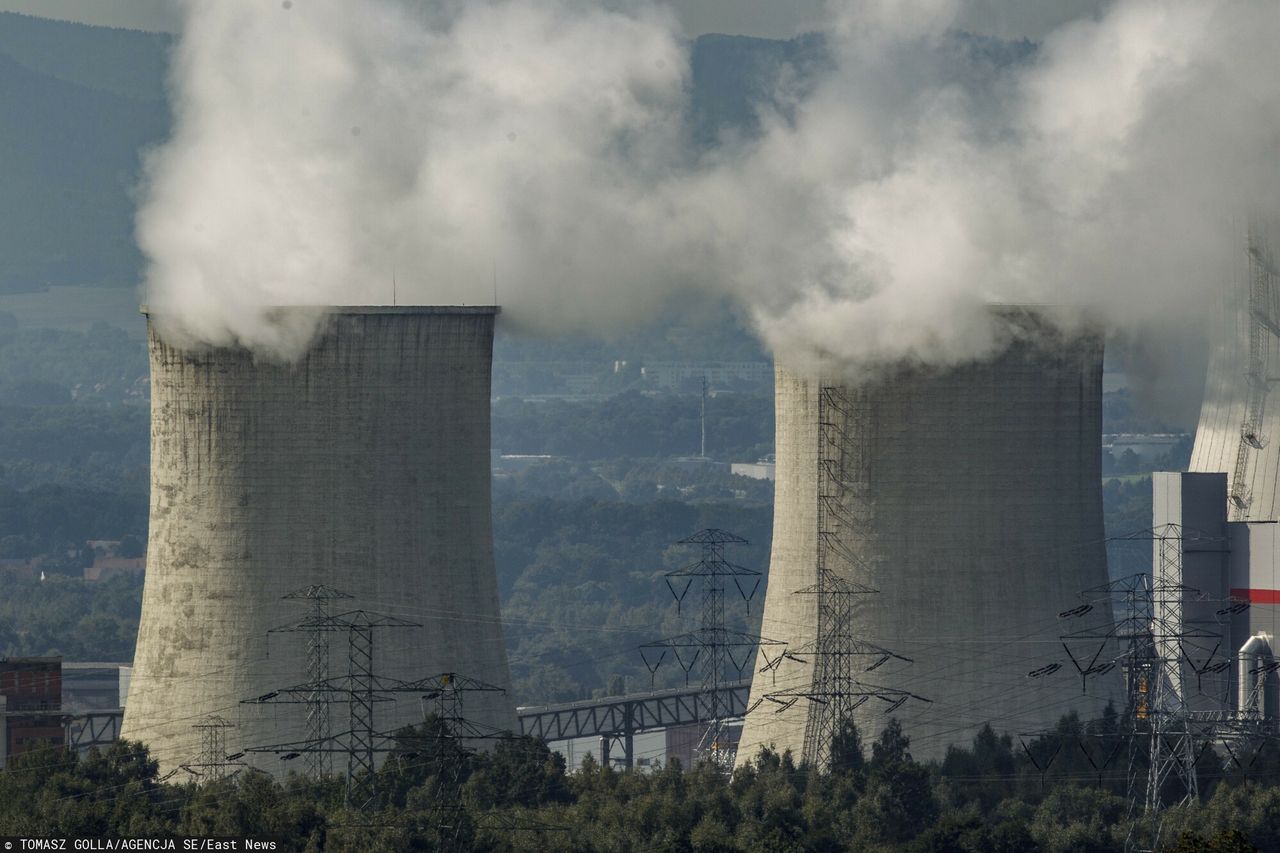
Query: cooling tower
<point x="364" y="466"/>
<point x="972" y="503"/>
<point x="1240" y="416"/>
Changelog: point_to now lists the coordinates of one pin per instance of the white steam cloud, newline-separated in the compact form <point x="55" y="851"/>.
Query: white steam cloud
<point x="324" y="148"/>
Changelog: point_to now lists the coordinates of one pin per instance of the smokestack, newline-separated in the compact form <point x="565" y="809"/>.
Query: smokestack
<point x="971" y="499"/>
<point x="363" y="466"/>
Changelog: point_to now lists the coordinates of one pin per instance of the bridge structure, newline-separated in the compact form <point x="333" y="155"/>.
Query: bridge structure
<point x="615" y="720"/>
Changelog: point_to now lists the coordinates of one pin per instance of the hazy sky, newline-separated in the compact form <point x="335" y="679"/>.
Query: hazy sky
<point x="768" y="18"/>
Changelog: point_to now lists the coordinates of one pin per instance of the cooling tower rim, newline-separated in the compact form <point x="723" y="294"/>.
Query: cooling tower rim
<point x="377" y="309"/>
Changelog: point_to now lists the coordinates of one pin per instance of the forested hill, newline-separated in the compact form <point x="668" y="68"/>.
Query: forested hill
<point x="120" y="62"/>
<point x="69" y="157"/>
<point x="79" y="104"/>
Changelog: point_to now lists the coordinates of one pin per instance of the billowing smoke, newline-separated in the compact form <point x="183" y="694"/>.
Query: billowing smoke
<point x="330" y="152"/>
<point x="325" y="150"/>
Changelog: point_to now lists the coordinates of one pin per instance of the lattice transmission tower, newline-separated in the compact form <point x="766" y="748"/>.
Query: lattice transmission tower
<point x="1159" y="654"/>
<point x="214" y="760"/>
<point x="713" y="649"/>
<point x="361" y="688"/>
<point x="845" y="545"/>
<point x="317" y="628"/>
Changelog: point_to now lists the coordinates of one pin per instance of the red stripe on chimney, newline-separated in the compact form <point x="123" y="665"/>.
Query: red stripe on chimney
<point x="1258" y="596"/>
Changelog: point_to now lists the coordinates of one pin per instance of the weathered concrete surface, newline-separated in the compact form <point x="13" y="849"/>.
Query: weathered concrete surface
<point x="364" y="466"/>
<point x="984" y="483"/>
<point x="1226" y="395"/>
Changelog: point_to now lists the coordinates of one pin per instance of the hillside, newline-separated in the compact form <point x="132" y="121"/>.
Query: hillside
<point x="70" y="158"/>
<point x="78" y="105"/>
<point x="120" y="62"/>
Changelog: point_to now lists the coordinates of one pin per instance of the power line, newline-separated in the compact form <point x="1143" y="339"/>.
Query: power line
<point x="713" y="646"/>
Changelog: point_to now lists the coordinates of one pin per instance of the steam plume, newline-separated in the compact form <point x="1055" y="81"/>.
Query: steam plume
<point x="323" y="148"/>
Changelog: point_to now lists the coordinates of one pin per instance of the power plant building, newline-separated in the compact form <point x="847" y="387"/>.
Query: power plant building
<point x="362" y="466"/>
<point x="1220" y="563"/>
<point x="969" y="498"/>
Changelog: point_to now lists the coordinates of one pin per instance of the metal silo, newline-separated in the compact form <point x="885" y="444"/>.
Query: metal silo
<point x="363" y="466"/>
<point x="969" y="498"/>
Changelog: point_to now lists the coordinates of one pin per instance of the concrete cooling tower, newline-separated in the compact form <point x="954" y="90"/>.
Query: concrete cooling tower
<point x="970" y="499"/>
<point x="363" y="466"/>
<point x="1239" y="430"/>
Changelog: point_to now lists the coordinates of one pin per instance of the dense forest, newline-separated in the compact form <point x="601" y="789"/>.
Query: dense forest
<point x="581" y="541"/>
<point x="434" y="794"/>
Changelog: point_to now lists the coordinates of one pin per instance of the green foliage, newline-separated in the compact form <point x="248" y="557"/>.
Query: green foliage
<point x="1226" y="841"/>
<point x="1126" y="508"/>
<point x="577" y="577"/>
<point x="899" y="800"/>
<point x="49" y="519"/>
<point x="102" y="364"/>
<point x="78" y="619"/>
<point x="111" y="793"/>
<point x="739" y="427"/>
<point x="434" y="794"/>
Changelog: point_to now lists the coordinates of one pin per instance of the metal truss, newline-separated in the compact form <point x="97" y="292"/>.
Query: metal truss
<point x="214" y="761"/>
<point x="1156" y="651"/>
<point x="93" y="728"/>
<point x="713" y="649"/>
<point x="362" y="689"/>
<point x="623" y="717"/>
<point x="318" y="597"/>
<point x="845" y="549"/>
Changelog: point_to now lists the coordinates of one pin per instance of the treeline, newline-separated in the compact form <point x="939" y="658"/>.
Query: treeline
<point x="581" y="584"/>
<point x="70" y="617"/>
<point x="100" y="448"/>
<point x="49" y="367"/>
<point x="580" y="581"/>
<point x="57" y="520"/>
<point x="431" y="794"/>
<point x="739" y="427"/>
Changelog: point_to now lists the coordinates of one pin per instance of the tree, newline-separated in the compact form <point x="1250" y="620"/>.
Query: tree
<point x="899" y="801"/>
<point x="131" y="547"/>
<point x="1226" y="841"/>
<point x="847" y="756"/>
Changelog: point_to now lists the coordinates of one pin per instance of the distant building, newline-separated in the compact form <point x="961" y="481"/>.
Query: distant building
<point x="1143" y="445"/>
<point x="95" y="686"/>
<point x="512" y="463"/>
<point x="109" y="567"/>
<point x="694" y="463"/>
<point x="31" y="689"/>
<point x="761" y="469"/>
<point x="673" y="374"/>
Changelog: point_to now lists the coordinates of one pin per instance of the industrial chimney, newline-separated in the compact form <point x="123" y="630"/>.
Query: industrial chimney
<point x="970" y="499"/>
<point x="361" y="466"/>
